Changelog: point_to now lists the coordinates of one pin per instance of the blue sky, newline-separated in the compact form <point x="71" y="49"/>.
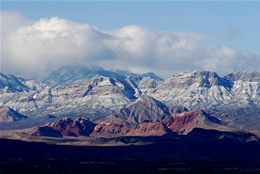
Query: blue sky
<point x="217" y="18"/>
<point x="233" y="24"/>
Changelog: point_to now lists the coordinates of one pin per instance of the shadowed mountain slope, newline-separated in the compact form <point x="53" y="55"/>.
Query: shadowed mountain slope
<point x="7" y="114"/>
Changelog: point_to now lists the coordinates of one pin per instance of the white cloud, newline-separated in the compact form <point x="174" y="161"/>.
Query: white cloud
<point x="46" y="44"/>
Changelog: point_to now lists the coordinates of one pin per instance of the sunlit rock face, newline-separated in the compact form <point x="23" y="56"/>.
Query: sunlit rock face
<point x="201" y="78"/>
<point x="148" y="128"/>
<point x="66" y="127"/>
<point x="185" y="122"/>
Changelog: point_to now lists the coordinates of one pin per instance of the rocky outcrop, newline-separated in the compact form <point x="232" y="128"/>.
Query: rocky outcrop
<point x="145" y="108"/>
<point x="105" y="85"/>
<point x="246" y="76"/>
<point x="177" y="109"/>
<point x="201" y="78"/>
<point x="148" y="128"/>
<point x="111" y="126"/>
<point x="185" y="122"/>
<point x="7" y="114"/>
<point x="66" y="127"/>
<point x="114" y="126"/>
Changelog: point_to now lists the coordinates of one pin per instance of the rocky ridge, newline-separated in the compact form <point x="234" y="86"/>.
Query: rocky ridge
<point x="180" y="124"/>
<point x="246" y="76"/>
<point x="185" y="122"/>
<point x="145" y="109"/>
<point x="66" y="127"/>
<point x="113" y="94"/>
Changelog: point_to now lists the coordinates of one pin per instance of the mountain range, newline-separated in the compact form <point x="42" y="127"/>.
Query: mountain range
<point x="176" y="124"/>
<point x="98" y="102"/>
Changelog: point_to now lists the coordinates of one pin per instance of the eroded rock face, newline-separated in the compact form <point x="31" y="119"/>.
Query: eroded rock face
<point x="109" y="129"/>
<point x="111" y="126"/>
<point x="182" y="123"/>
<point x="147" y="128"/>
<point x="66" y="127"/>
<point x="145" y="108"/>
<point x="202" y="78"/>
<point x="246" y="76"/>
<point x="185" y="122"/>
<point x="7" y="114"/>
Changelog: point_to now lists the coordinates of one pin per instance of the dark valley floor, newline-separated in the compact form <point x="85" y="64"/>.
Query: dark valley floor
<point x="165" y="155"/>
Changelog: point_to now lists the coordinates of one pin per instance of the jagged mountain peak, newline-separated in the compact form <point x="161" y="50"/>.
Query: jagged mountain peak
<point x="198" y="75"/>
<point x="95" y="68"/>
<point x="66" y="120"/>
<point x="123" y="72"/>
<point x="150" y="101"/>
<point x="152" y="75"/>
<point x="245" y="75"/>
<point x="68" y="74"/>
<point x="144" y="108"/>
<point x="201" y="78"/>
<point x="12" y="83"/>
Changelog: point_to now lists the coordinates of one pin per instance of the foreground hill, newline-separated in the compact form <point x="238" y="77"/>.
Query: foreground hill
<point x="143" y="109"/>
<point x="185" y="122"/>
<point x="115" y="125"/>
<point x="7" y="114"/>
<point x="66" y="127"/>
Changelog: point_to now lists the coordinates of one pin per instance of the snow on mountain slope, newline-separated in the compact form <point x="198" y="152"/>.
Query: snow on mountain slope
<point x="207" y="91"/>
<point x="11" y="83"/>
<point x="246" y="75"/>
<point x="107" y="95"/>
<point x="144" y="108"/>
<point x="69" y="74"/>
<point x="102" y="95"/>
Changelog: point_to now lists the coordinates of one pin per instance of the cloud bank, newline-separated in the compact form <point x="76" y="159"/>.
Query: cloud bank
<point x="46" y="44"/>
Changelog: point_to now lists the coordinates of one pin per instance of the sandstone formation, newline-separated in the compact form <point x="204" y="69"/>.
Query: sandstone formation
<point x="148" y="128"/>
<point x="185" y="122"/>
<point x="66" y="127"/>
